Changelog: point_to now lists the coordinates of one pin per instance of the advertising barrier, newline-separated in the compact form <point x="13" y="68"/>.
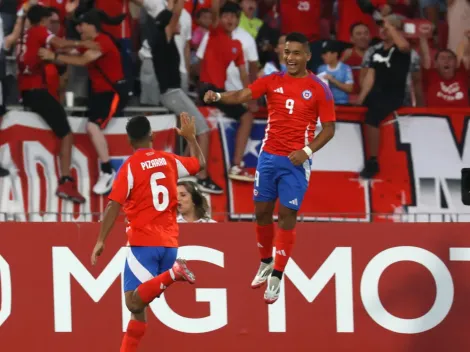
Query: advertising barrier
<point x="348" y="287"/>
<point x="421" y="154"/>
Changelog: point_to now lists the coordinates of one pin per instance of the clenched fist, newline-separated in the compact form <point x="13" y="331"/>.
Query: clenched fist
<point x="211" y="97"/>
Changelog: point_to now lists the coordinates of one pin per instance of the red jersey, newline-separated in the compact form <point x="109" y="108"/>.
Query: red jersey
<point x="108" y="63"/>
<point x="217" y="51"/>
<point x="355" y="61"/>
<point x="31" y="74"/>
<point x="53" y="80"/>
<point x="294" y="105"/>
<point x="116" y="8"/>
<point x="301" y="16"/>
<point x="442" y="92"/>
<point x="146" y="187"/>
<point x="349" y="13"/>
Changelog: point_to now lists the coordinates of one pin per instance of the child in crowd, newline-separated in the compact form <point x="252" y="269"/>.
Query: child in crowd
<point x="337" y="74"/>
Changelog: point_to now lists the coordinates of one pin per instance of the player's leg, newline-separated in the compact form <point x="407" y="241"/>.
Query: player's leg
<point x="53" y="113"/>
<point x="265" y="195"/>
<point x="135" y="331"/>
<point x="293" y="183"/>
<point x="101" y="108"/>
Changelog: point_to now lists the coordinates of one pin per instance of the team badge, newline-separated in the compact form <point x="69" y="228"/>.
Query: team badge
<point x="234" y="50"/>
<point x="255" y="192"/>
<point x="306" y="94"/>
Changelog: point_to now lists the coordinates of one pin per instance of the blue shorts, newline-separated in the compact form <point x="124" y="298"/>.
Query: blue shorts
<point x="276" y="177"/>
<point x="144" y="263"/>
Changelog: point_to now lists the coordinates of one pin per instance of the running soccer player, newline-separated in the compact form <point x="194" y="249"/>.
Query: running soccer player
<point x="146" y="188"/>
<point x="295" y="101"/>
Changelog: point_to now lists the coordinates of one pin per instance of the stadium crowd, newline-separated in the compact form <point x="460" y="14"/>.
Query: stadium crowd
<point x="381" y="54"/>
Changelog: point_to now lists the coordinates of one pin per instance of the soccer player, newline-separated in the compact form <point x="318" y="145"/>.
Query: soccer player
<point x="146" y="188"/>
<point x="296" y="99"/>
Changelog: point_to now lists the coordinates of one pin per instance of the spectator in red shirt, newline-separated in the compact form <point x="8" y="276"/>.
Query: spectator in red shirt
<point x="121" y="33"/>
<point x="304" y="17"/>
<point x="446" y="84"/>
<point x="349" y="16"/>
<point x="216" y="52"/>
<point x="360" y="38"/>
<point x="109" y="89"/>
<point x="36" y="97"/>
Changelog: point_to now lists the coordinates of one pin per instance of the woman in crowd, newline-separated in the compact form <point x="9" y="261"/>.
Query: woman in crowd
<point x="192" y="205"/>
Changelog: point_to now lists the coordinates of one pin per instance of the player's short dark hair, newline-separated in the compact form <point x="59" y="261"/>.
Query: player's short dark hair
<point x="298" y="38"/>
<point x="231" y="7"/>
<point x="37" y="13"/>
<point x="138" y="128"/>
<point x="356" y="24"/>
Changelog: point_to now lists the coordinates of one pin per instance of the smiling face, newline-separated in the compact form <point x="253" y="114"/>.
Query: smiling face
<point x="185" y="201"/>
<point x="296" y="56"/>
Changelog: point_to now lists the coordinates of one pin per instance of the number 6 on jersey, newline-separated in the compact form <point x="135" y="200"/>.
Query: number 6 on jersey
<point x="157" y="190"/>
<point x="290" y="105"/>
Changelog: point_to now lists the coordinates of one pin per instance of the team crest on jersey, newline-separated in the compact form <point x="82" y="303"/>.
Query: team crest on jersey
<point x="234" y="50"/>
<point x="306" y="94"/>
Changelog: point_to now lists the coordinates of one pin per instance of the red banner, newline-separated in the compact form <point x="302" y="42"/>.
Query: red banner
<point x="349" y="287"/>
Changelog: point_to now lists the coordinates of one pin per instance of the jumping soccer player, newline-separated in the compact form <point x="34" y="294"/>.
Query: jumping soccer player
<point x="296" y="100"/>
<point x="146" y="186"/>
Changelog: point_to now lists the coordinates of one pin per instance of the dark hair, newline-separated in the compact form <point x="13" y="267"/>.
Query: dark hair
<point x="444" y="51"/>
<point x="200" y="202"/>
<point x="356" y="24"/>
<point x="298" y="38"/>
<point x="201" y="12"/>
<point x="231" y="7"/>
<point x="53" y="10"/>
<point x="37" y="13"/>
<point x="138" y="128"/>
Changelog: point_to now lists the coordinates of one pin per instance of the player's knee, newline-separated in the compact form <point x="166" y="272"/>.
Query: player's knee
<point x="287" y="218"/>
<point x="133" y="306"/>
<point x="264" y="214"/>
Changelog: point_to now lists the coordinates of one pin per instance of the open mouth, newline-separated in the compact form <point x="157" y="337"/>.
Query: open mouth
<point x="292" y="65"/>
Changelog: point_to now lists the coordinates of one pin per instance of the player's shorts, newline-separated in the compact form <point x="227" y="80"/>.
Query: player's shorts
<point x="276" y="177"/>
<point x="45" y="105"/>
<point x="144" y="263"/>
<point x="235" y="111"/>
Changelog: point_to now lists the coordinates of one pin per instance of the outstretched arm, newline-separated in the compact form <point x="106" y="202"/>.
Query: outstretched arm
<point x="110" y="215"/>
<point x="232" y="98"/>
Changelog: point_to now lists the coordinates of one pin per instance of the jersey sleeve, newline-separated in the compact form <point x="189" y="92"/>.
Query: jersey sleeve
<point x="240" y="59"/>
<point x="259" y="87"/>
<point x="122" y="185"/>
<point x="325" y="103"/>
<point x="187" y="166"/>
<point x="44" y="36"/>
